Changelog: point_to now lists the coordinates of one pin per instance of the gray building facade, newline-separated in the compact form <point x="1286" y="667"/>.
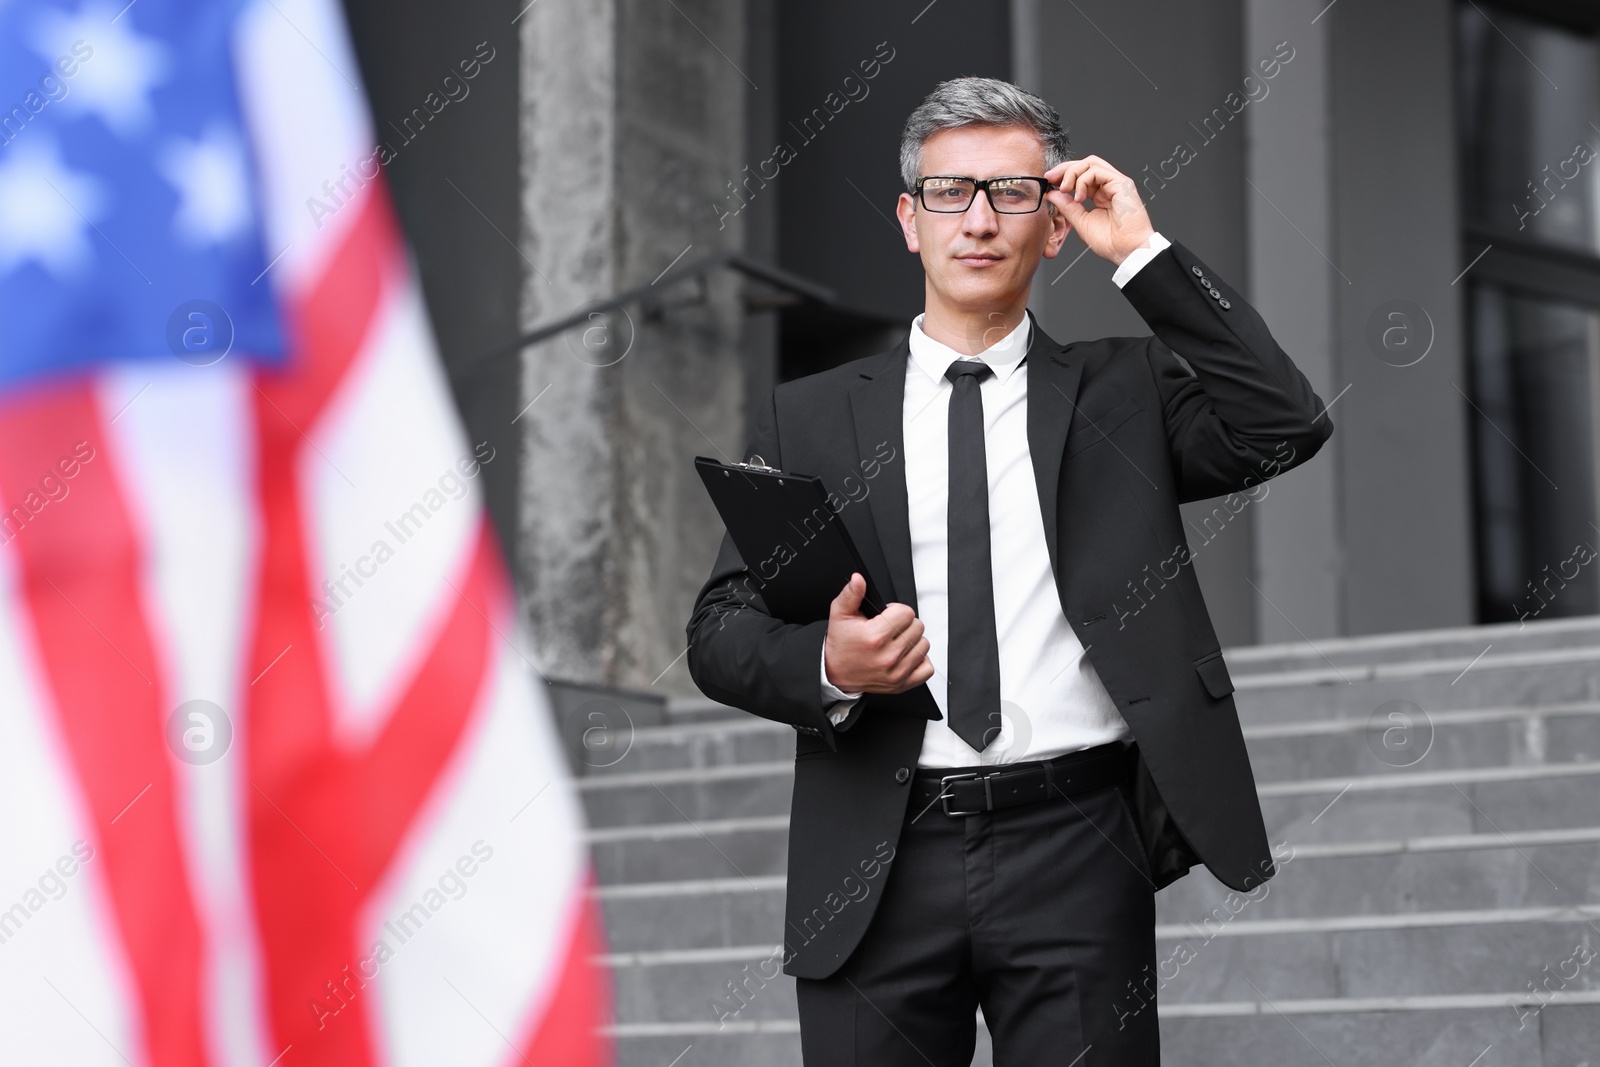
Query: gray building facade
<point x="1404" y="190"/>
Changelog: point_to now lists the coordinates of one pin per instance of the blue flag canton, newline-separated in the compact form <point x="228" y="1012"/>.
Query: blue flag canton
<point x="130" y="220"/>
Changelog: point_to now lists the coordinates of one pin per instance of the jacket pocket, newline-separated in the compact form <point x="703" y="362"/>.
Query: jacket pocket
<point x="1213" y="674"/>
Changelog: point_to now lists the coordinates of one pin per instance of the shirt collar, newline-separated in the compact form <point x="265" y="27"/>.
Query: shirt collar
<point x="1003" y="357"/>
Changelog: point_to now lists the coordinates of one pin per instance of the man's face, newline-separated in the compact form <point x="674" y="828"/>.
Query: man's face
<point x="981" y="260"/>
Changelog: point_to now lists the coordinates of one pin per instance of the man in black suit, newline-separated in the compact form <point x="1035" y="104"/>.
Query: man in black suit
<point x="995" y="773"/>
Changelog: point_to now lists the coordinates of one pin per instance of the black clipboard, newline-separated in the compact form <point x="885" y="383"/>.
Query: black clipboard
<point x="796" y="548"/>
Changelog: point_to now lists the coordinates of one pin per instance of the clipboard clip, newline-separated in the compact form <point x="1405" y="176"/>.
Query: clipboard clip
<point x="756" y="463"/>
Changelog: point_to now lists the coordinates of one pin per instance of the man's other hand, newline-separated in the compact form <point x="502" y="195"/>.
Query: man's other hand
<point x="884" y="654"/>
<point x="1118" y="225"/>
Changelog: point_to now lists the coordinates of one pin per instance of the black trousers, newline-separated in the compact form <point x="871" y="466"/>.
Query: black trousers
<point x="1043" y="914"/>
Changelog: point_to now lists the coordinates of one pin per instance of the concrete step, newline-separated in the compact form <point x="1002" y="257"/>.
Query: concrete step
<point x="1416" y="803"/>
<point x="767" y="1044"/>
<point x="1396" y="738"/>
<point x="1389" y="738"/>
<point x="717" y="986"/>
<point x="1414" y="646"/>
<point x="698" y="709"/>
<point x="1517" y="655"/>
<point x="1549" y="1030"/>
<point x="1331" y="813"/>
<point x="1328" y="653"/>
<point x="1407" y="876"/>
<point x="1386" y="737"/>
<point x="1479" y="872"/>
<point x="1512" y="680"/>
<point x="1423" y="953"/>
<point x="704" y="743"/>
<point x="1440" y="867"/>
<point x="715" y="848"/>
<point x="1487" y="952"/>
<point x="1532" y="796"/>
<point x="1454" y="1031"/>
<point x="688" y="795"/>
<point x="704" y="913"/>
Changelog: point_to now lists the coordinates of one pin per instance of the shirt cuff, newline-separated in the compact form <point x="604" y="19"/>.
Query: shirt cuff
<point x="1139" y="257"/>
<point x="841" y="701"/>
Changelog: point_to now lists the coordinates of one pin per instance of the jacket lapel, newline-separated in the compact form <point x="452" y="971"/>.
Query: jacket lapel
<point x="877" y="402"/>
<point x="1053" y="378"/>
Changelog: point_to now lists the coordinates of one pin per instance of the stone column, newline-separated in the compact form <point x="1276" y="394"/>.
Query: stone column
<point x="632" y="126"/>
<point x="1289" y="204"/>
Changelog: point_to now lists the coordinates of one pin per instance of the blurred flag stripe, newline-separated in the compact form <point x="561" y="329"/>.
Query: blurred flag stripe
<point x="309" y="791"/>
<point x="565" y="1031"/>
<point x="382" y="761"/>
<point x="425" y="727"/>
<point x="334" y="314"/>
<point x="80" y="572"/>
<point x="184" y="456"/>
<point x="307" y="786"/>
<point x="306" y="908"/>
<point x="513" y="949"/>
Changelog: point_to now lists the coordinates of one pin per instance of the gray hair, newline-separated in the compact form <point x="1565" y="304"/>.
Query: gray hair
<point x="980" y="102"/>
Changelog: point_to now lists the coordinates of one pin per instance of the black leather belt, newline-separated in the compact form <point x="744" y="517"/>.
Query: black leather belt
<point x="973" y="790"/>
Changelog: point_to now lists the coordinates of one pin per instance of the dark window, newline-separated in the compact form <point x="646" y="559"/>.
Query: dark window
<point x="1533" y="451"/>
<point x="1529" y="136"/>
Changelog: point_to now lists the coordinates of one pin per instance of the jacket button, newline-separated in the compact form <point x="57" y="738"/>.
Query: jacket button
<point x="1215" y="295"/>
<point x="903" y="775"/>
<point x="1205" y="283"/>
<point x="1224" y="302"/>
<point x="1197" y="271"/>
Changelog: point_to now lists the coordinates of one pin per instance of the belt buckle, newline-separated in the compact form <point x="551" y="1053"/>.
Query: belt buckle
<point x="945" y="798"/>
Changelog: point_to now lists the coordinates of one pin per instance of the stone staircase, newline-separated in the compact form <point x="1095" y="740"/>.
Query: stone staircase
<point x="1440" y="906"/>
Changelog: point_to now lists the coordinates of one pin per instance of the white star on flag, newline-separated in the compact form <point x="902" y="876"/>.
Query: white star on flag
<point x="210" y="177"/>
<point x="115" y="81"/>
<point x="45" y="209"/>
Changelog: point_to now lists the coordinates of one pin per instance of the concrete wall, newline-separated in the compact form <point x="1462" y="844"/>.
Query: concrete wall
<point x="1403" y="453"/>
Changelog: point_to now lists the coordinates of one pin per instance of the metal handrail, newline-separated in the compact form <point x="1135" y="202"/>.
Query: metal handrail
<point x="694" y="270"/>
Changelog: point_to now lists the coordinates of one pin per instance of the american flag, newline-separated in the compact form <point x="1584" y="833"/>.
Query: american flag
<point x="277" y="786"/>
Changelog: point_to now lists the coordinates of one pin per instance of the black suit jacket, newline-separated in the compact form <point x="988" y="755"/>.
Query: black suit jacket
<point x="1120" y="433"/>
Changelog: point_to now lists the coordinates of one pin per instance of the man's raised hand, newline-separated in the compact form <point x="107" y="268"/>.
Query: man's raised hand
<point x="884" y="654"/>
<point x="1119" y="224"/>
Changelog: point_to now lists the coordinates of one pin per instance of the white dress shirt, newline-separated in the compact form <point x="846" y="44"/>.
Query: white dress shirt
<point x="1051" y="699"/>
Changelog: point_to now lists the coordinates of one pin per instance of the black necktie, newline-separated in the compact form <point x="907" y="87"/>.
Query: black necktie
<point x="972" y="666"/>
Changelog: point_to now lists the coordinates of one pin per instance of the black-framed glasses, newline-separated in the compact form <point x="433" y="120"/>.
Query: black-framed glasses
<point x="952" y="194"/>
